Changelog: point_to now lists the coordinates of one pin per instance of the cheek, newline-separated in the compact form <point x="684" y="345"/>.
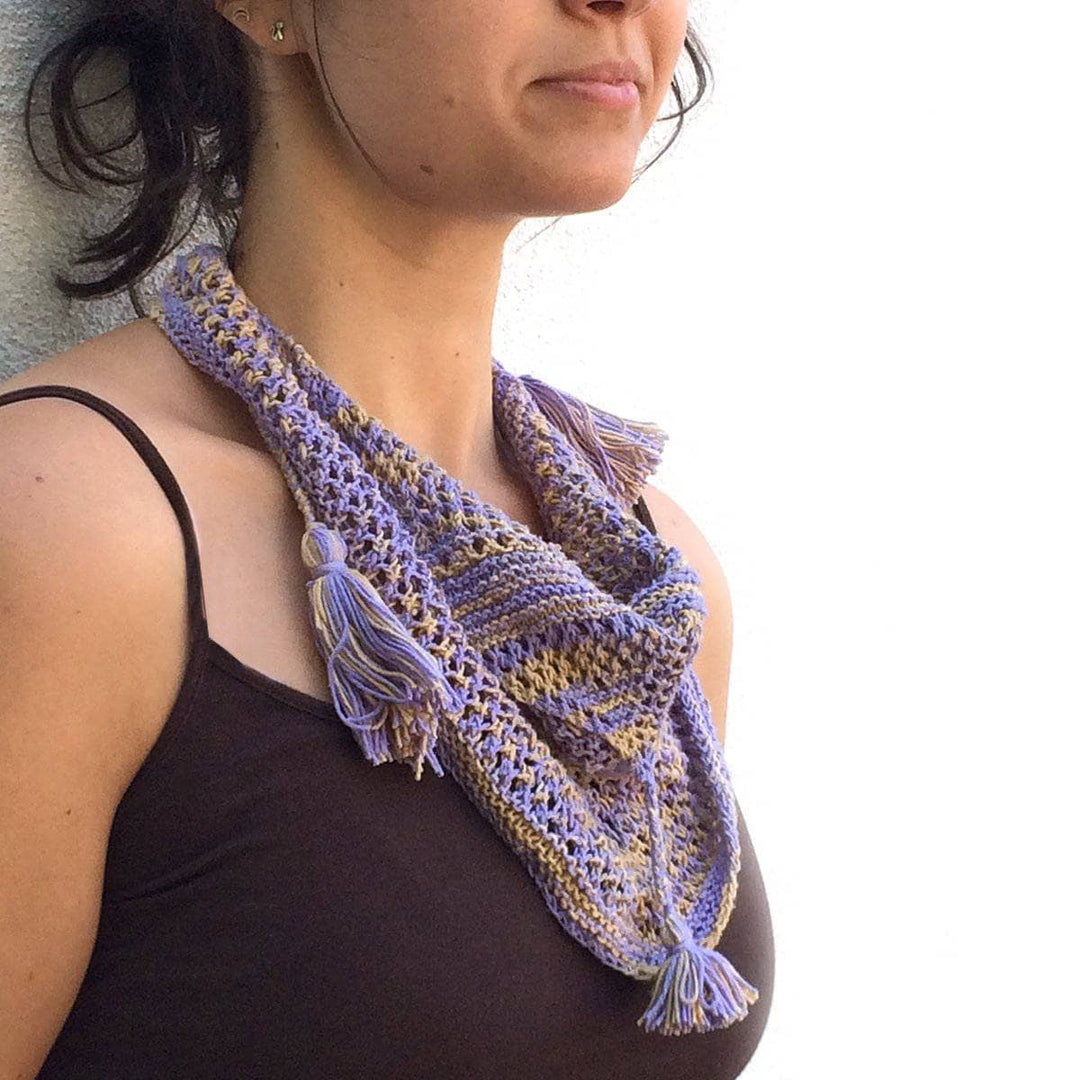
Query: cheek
<point x="666" y="36"/>
<point x="417" y="90"/>
<point x="432" y="136"/>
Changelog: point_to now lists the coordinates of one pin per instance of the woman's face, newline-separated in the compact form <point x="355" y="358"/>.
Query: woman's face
<point x="442" y="95"/>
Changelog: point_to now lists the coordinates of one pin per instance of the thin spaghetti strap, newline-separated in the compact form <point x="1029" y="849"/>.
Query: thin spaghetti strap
<point x="641" y="510"/>
<point x="156" y="463"/>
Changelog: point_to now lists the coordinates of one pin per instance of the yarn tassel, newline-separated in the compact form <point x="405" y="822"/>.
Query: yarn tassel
<point x="696" y="989"/>
<point x="386" y="688"/>
<point x="622" y="452"/>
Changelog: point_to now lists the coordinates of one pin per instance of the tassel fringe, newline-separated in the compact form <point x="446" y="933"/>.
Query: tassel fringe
<point x="386" y="688"/>
<point x="622" y="452"/>
<point x="696" y="989"/>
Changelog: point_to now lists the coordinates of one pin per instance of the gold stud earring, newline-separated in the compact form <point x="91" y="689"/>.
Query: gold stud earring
<point x="278" y="32"/>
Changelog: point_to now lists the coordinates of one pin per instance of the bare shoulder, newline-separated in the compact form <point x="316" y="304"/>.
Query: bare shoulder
<point x="91" y="555"/>
<point x="713" y="662"/>
<point x="127" y="359"/>
<point x="136" y="368"/>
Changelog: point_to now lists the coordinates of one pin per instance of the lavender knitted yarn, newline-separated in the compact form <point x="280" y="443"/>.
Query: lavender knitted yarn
<point x="552" y="677"/>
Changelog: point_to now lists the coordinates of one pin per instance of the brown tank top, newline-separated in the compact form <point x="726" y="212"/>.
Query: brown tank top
<point x="274" y="906"/>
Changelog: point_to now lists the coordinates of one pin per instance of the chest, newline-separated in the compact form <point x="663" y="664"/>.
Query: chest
<point x="248" y="530"/>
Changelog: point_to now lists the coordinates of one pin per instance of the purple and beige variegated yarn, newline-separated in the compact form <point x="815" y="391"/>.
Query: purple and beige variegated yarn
<point x="552" y="677"/>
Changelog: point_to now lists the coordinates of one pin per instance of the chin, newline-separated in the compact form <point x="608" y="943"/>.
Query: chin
<point x="579" y="195"/>
<point x="571" y="185"/>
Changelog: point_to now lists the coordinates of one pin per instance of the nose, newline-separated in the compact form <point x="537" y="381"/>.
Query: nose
<point x="627" y="8"/>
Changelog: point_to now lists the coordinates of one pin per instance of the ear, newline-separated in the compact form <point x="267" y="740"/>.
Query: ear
<point x="256" y="19"/>
<point x="712" y="664"/>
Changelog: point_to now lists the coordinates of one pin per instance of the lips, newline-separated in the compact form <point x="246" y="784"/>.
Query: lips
<point x="619" y="95"/>
<point x="608" y="71"/>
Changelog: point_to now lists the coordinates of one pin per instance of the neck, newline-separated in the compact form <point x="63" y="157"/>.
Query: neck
<point x="393" y="300"/>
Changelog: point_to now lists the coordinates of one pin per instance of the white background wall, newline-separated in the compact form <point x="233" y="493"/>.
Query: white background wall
<point x="850" y="295"/>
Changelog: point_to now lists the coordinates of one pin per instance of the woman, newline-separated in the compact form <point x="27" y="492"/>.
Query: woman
<point x="207" y="877"/>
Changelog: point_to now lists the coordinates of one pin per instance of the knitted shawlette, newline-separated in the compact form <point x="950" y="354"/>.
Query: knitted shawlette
<point x="552" y="677"/>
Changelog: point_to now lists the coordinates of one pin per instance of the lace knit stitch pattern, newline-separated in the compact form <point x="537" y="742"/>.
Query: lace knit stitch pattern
<point x="552" y="677"/>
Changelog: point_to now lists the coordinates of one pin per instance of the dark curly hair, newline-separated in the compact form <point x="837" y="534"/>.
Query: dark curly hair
<point x="192" y="91"/>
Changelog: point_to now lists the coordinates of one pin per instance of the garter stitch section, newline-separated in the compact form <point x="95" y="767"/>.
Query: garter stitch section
<point x="552" y="677"/>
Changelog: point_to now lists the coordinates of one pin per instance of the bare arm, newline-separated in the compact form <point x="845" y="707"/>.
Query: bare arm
<point x="87" y="594"/>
